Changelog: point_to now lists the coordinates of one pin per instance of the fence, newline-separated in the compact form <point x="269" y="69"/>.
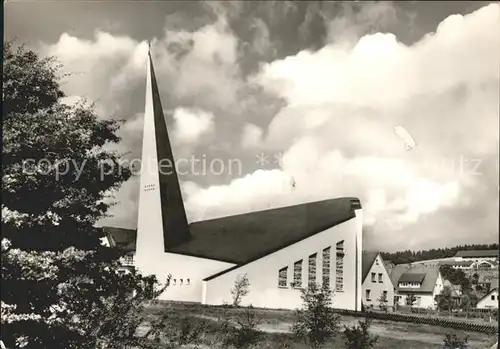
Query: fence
<point x="427" y="320"/>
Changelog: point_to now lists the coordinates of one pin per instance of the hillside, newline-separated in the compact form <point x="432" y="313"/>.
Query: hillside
<point x="409" y="256"/>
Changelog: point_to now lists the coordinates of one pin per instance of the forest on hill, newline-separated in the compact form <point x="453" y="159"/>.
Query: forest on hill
<point x="408" y="256"/>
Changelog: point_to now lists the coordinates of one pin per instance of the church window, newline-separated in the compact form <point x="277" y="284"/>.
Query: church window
<point x="297" y="274"/>
<point x="282" y="277"/>
<point x="339" y="267"/>
<point x="312" y="269"/>
<point x="326" y="267"/>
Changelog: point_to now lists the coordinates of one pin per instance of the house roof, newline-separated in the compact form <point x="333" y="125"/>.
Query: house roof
<point x="412" y="277"/>
<point x="430" y="275"/>
<point x="457" y="263"/>
<point x="456" y="290"/>
<point x="367" y="260"/>
<point x="477" y="253"/>
<point x="488" y="294"/>
<point x="246" y="237"/>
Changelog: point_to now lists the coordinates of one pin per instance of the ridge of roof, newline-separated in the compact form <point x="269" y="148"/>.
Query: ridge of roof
<point x="243" y="238"/>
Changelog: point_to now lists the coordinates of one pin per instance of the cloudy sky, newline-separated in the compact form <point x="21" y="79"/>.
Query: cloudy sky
<point x="313" y="90"/>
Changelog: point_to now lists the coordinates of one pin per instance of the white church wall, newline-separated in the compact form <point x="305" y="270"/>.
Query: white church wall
<point x="263" y="273"/>
<point x="183" y="268"/>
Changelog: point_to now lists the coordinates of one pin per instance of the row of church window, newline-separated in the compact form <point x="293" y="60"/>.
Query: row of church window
<point x="181" y="282"/>
<point x="312" y="267"/>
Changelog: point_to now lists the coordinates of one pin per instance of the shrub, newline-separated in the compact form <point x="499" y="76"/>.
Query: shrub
<point x="452" y="341"/>
<point x="358" y="337"/>
<point x="316" y="322"/>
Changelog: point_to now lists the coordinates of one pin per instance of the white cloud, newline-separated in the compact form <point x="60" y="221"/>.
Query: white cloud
<point x="342" y="105"/>
<point x="251" y="136"/>
<point x="191" y="124"/>
<point x="336" y="129"/>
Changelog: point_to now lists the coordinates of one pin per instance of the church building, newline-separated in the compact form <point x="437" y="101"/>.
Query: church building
<point x="279" y="250"/>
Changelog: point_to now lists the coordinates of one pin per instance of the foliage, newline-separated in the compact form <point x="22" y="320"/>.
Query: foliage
<point x="240" y="289"/>
<point x="452" y="341"/>
<point x="410" y="299"/>
<point x="383" y="301"/>
<point x="316" y="322"/>
<point x="445" y="300"/>
<point x="358" y="336"/>
<point x="242" y="335"/>
<point x="456" y="277"/>
<point x="409" y="256"/>
<point x="60" y="287"/>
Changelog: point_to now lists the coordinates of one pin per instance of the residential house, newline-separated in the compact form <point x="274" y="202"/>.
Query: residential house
<point x="477" y="255"/>
<point x="489" y="301"/>
<point x="125" y="240"/>
<point x="422" y="282"/>
<point x="376" y="282"/>
<point x="485" y="265"/>
<point x="460" y="265"/>
<point x="487" y="280"/>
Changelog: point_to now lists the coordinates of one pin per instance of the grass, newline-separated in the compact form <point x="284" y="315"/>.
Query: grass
<point x="390" y="334"/>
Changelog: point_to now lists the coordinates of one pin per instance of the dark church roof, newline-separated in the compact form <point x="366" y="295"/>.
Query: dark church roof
<point x="246" y="237"/>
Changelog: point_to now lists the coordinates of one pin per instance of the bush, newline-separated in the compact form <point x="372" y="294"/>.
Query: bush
<point x="316" y="322"/>
<point x="358" y="337"/>
<point x="452" y="341"/>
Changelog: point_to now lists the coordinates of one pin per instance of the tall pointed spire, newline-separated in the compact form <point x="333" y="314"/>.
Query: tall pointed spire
<point x="162" y="221"/>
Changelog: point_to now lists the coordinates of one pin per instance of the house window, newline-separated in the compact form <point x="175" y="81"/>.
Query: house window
<point x="282" y="277"/>
<point x="373" y="277"/>
<point x="368" y="295"/>
<point x="128" y="260"/>
<point x="376" y="261"/>
<point x="188" y="281"/>
<point x="384" y="294"/>
<point x="326" y="267"/>
<point x="380" y="277"/>
<point x="182" y="281"/>
<point x="311" y="272"/>
<point x="339" y="267"/>
<point x="492" y="297"/>
<point x="175" y="281"/>
<point x="297" y="274"/>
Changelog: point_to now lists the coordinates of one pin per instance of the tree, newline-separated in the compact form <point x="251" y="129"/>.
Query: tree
<point x="410" y="299"/>
<point x="452" y="341"/>
<point x="240" y="289"/>
<point x="60" y="286"/>
<point x="383" y="301"/>
<point x="445" y="300"/>
<point x="358" y="337"/>
<point x="316" y="322"/>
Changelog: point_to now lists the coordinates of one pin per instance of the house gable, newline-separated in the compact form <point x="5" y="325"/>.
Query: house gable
<point x="376" y="280"/>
